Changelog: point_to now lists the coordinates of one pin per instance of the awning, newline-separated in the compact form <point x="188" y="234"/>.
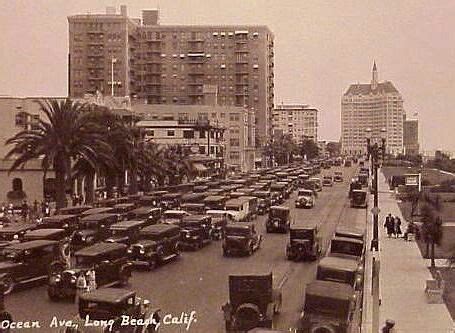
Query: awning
<point x="200" y="167"/>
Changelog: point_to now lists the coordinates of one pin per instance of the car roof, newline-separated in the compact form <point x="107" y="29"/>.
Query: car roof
<point x="175" y="211"/>
<point x="306" y="226"/>
<point x="196" y="217"/>
<point x="16" y="227"/>
<point x="341" y="291"/>
<point x="43" y="232"/>
<point x="58" y="218"/>
<point x="123" y="205"/>
<point x="144" y="209"/>
<point x="31" y="244"/>
<point x="99" y="248"/>
<point x="97" y="210"/>
<point x="339" y="263"/>
<point x="97" y="217"/>
<point x="353" y="232"/>
<point x="242" y="225"/>
<point x="127" y="224"/>
<point x="108" y="295"/>
<point x="347" y="239"/>
<point x="280" y="207"/>
<point x="236" y="201"/>
<point x="159" y="228"/>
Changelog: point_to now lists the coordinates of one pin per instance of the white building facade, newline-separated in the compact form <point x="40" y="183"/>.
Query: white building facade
<point x="298" y="120"/>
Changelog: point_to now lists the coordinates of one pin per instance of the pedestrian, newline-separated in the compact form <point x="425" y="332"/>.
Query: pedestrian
<point x="74" y="200"/>
<point x="24" y="210"/>
<point x="398" y="226"/>
<point x="91" y="280"/>
<point x="389" y="225"/>
<point x="81" y="286"/>
<point x="11" y="209"/>
<point x="389" y="326"/>
<point x="66" y="254"/>
<point x="47" y="209"/>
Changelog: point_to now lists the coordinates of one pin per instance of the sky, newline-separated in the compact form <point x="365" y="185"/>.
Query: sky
<point x="321" y="47"/>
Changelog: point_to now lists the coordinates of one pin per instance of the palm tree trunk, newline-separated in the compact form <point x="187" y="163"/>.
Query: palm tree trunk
<point x="89" y="188"/>
<point x="427" y="249"/>
<point x="60" y="181"/>
<point x="133" y="181"/>
<point x="433" y="264"/>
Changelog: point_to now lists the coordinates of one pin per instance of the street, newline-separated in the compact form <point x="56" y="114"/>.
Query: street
<point x="198" y="281"/>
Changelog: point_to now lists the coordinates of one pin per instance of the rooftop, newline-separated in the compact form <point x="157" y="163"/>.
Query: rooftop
<point x="386" y="87"/>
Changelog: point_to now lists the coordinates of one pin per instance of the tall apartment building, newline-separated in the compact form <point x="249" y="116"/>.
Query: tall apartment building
<point x="173" y="64"/>
<point x="411" y="136"/>
<point x="298" y="120"/>
<point x="376" y="105"/>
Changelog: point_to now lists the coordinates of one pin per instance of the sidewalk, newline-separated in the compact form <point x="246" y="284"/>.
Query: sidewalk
<point x="403" y="275"/>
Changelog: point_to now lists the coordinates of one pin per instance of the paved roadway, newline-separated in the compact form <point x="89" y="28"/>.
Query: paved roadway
<point x="197" y="281"/>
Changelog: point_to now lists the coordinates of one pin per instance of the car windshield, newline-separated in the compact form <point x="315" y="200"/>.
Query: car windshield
<point x="302" y="234"/>
<point x="330" y="274"/>
<point x="237" y="231"/>
<point x="283" y="213"/>
<point x="305" y="194"/>
<point x="234" y="208"/>
<point x="327" y="306"/>
<point x="359" y="195"/>
<point x="346" y="247"/>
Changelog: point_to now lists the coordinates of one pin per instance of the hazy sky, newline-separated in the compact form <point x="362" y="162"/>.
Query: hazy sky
<point x="320" y="48"/>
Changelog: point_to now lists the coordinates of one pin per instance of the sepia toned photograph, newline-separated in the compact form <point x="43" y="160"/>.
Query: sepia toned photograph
<point x="227" y="166"/>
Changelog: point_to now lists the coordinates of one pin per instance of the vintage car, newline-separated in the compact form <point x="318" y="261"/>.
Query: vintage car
<point x="241" y="238"/>
<point x="359" y="199"/>
<point x="193" y="198"/>
<point x="305" y="199"/>
<point x="174" y="216"/>
<point x="281" y="190"/>
<point x="126" y="232"/>
<point x="122" y="210"/>
<point x="327" y="181"/>
<point x="263" y="205"/>
<point x="157" y="244"/>
<point x="252" y="205"/>
<point x="288" y="187"/>
<point x="171" y="201"/>
<point x="239" y="208"/>
<point x="347" y="247"/>
<point x="304" y="242"/>
<point x="279" y="219"/>
<point x="329" y="307"/>
<point x="253" y="302"/>
<point x="341" y="270"/>
<point x="363" y="178"/>
<point x="13" y="233"/>
<point x="317" y="183"/>
<point x="73" y="210"/>
<point x="338" y="177"/>
<point x="215" y="202"/>
<point x="193" y="208"/>
<point x="195" y="231"/>
<point x="104" y="310"/>
<point x="109" y="260"/>
<point x="27" y="262"/>
<point x="149" y="200"/>
<point x="350" y="232"/>
<point x="151" y="214"/>
<point x="67" y="222"/>
<point x="219" y="220"/>
<point x="49" y="234"/>
<point x="92" y="229"/>
<point x="354" y="185"/>
<point x="97" y="210"/>
<point x="108" y="202"/>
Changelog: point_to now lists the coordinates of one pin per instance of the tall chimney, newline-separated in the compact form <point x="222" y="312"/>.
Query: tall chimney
<point x="123" y="10"/>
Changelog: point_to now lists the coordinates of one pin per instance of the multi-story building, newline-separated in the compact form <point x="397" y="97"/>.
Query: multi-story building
<point x="411" y="136"/>
<point x="377" y="105"/>
<point x="237" y="146"/>
<point x="298" y="120"/>
<point x="173" y="64"/>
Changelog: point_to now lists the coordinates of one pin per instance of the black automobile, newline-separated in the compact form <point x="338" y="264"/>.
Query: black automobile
<point x="241" y="238"/>
<point x="193" y="198"/>
<point x="108" y="308"/>
<point x="347" y="247"/>
<point x="253" y="302"/>
<point x="193" y="208"/>
<point x="281" y="190"/>
<point x="354" y="185"/>
<point x="149" y="201"/>
<point x="74" y="210"/>
<point x="279" y="219"/>
<point x="359" y="199"/>
<point x="92" y="229"/>
<point x="49" y="234"/>
<point x="97" y="210"/>
<point x="157" y="244"/>
<point x="151" y="214"/>
<point x="215" y="202"/>
<point x="109" y="260"/>
<point x="122" y="210"/>
<point x="13" y="233"/>
<point x="171" y="201"/>
<point x="304" y="243"/>
<point x="196" y="231"/>
<point x="68" y="222"/>
<point x="27" y="262"/>
<point x="126" y="232"/>
<point x="341" y="270"/>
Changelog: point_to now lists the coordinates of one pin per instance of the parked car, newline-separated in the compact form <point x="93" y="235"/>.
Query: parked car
<point x="171" y="201"/>
<point x="215" y="202"/>
<point x="173" y="216"/>
<point x="253" y="302"/>
<point x="359" y="199"/>
<point x="60" y="235"/>
<point x="354" y="185"/>
<point x="68" y="222"/>
<point x="239" y="208"/>
<point x="112" y="305"/>
<point x="193" y="208"/>
<point x="122" y="210"/>
<point x="157" y="244"/>
<point x="279" y="219"/>
<point x="346" y="247"/>
<point x="280" y="189"/>
<point x="151" y="214"/>
<point x="219" y="220"/>
<point x="92" y="229"/>
<point x="195" y="231"/>
<point x="241" y="238"/>
<point x="252" y="205"/>
<point x="126" y="232"/>
<point x="27" y="262"/>
<point x="304" y="242"/>
<point x="341" y="270"/>
<point x="13" y="233"/>
<point x="350" y="232"/>
<point x="363" y="179"/>
<point x="97" y="210"/>
<point x="109" y="260"/>
<point x="329" y="307"/>
<point x="305" y="198"/>
<point x="317" y="183"/>
<point x="338" y="177"/>
<point x="327" y="181"/>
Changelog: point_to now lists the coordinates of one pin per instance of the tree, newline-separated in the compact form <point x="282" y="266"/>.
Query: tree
<point x="334" y="148"/>
<point x="66" y="135"/>
<point x="432" y="230"/>
<point x="178" y="164"/>
<point x="309" y="148"/>
<point x="282" y="148"/>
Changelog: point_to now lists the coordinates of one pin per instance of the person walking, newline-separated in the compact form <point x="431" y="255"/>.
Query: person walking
<point x="397" y="226"/>
<point x="389" y="225"/>
<point x="389" y="326"/>
<point x="81" y="286"/>
<point x="91" y="280"/>
<point x="24" y="210"/>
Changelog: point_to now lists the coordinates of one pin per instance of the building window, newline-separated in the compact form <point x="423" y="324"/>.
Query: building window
<point x="170" y="133"/>
<point x="21" y="119"/>
<point x="188" y="134"/>
<point x="202" y="134"/>
<point x="234" y="142"/>
<point x="201" y="149"/>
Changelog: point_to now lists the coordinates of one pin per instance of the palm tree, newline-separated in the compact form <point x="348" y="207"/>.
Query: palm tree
<point x="178" y="164"/>
<point x="432" y="231"/>
<point x="66" y="135"/>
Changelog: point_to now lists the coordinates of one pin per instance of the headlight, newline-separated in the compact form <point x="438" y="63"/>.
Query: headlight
<point x="73" y="279"/>
<point x="187" y="235"/>
<point x="56" y="278"/>
<point x="83" y="238"/>
<point x="129" y="250"/>
<point x="141" y="251"/>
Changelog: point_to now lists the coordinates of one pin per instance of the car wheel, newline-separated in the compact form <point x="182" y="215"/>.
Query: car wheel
<point x="52" y="293"/>
<point x="8" y="285"/>
<point x="152" y="264"/>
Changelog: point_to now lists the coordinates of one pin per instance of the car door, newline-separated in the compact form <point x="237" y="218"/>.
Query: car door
<point x="40" y="259"/>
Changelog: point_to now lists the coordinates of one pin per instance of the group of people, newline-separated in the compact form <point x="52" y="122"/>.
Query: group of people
<point x="393" y="226"/>
<point x="86" y="282"/>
